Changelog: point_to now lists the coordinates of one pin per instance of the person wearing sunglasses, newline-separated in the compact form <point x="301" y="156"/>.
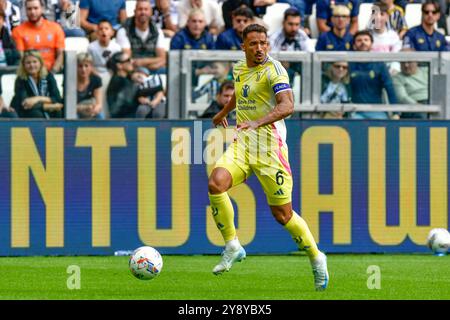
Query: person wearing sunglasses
<point x="121" y="92"/>
<point x="425" y="37"/>
<point x="335" y="87"/>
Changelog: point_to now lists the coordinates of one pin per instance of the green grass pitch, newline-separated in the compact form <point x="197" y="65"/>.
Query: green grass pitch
<point x="258" y="277"/>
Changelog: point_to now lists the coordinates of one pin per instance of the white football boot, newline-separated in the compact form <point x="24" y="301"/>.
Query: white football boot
<point x="320" y="271"/>
<point x="229" y="256"/>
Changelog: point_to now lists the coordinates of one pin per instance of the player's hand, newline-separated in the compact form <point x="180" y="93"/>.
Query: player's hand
<point x="28" y="103"/>
<point x="247" y="125"/>
<point x="220" y="119"/>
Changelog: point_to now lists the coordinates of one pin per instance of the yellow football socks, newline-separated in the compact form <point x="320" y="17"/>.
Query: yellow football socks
<point x="301" y="234"/>
<point x="223" y="214"/>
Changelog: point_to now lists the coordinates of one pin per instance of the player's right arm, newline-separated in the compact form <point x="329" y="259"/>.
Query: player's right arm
<point x="221" y="117"/>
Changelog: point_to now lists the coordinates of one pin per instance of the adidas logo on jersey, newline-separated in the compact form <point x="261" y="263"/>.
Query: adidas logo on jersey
<point x="279" y="192"/>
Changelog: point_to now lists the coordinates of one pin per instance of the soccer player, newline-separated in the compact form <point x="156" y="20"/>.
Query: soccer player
<point x="263" y="98"/>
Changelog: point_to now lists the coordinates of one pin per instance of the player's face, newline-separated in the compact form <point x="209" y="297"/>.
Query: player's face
<point x="34" y="10"/>
<point x="291" y="26"/>
<point x="255" y="47"/>
<point x="32" y="65"/>
<point x="362" y="43"/>
<point x="143" y="12"/>
<point x="239" y="23"/>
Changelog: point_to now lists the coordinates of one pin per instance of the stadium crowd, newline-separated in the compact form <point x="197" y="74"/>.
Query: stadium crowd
<point x="120" y="74"/>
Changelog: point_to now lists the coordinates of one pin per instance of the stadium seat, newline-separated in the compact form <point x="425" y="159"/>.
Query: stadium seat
<point x="166" y="43"/>
<point x="77" y="44"/>
<point x="8" y="81"/>
<point x="129" y="6"/>
<point x="312" y="23"/>
<point x="314" y="42"/>
<point x="365" y="11"/>
<point x="274" y="16"/>
<point x="413" y="14"/>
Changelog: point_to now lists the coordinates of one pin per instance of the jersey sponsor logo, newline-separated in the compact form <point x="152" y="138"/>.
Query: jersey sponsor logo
<point x="280" y="87"/>
<point x="245" y="90"/>
<point x="438" y="43"/>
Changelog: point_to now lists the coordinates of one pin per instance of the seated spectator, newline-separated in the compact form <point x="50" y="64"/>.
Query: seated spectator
<point x="165" y="16"/>
<point x="411" y="87"/>
<point x="291" y="37"/>
<point x="368" y="79"/>
<point x="67" y="14"/>
<point x="193" y="36"/>
<point x="211" y="10"/>
<point x="8" y="53"/>
<point x="89" y="93"/>
<point x="94" y="11"/>
<point x="231" y="39"/>
<point x="40" y="34"/>
<point x="396" y="19"/>
<point x="36" y="93"/>
<point x="104" y="47"/>
<point x="384" y="39"/>
<point x="221" y="73"/>
<point x="228" y="6"/>
<point x="224" y="96"/>
<point x="121" y="92"/>
<point x="12" y="14"/>
<point x="150" y="94"/>
<point x="339" y="38"/>
<point x="335" y="84"/>
<point x="425" y="37"/>
<point x="142" y="39"/>
<point x="324" y="12"/>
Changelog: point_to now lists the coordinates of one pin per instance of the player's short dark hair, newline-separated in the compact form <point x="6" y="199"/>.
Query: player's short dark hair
<point x="244" y="12"/>
<point x="254" y="28"/>
<point x="291" y="12"/>
<point x="437" y="6"/>
<point x="383" y="6"/>
<point x="41" y="2"/>
<point x="363" y="33"/>
<point x="226" y="85"/>
<point x="105" y="21"/>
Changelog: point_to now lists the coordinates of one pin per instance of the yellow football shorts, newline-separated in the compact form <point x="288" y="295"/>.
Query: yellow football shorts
<point x="271" y="168"/>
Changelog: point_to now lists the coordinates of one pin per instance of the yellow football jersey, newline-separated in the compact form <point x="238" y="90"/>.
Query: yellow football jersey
<point x="255" y="90"/>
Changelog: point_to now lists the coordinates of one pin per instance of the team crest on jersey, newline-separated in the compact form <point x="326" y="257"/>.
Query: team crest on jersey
<point x="245" y="90"/>
<point x="259" y="75"/>
<point x="438" y="43"/>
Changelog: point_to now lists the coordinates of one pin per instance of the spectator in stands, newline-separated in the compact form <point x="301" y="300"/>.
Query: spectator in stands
<point x="89" y="93"/>
<point x="150" y="94"/>
<point x="121" y="92"/>
<point x="257" y="6"/>
<point x="224" y="96"/>
<point x="425" y="37"/>
<point x="193" y="36"/>
<point x="231" y="39"/>
<point x="142" y="39"/>
<point x="67" y="14"/>
<point x="324" y="14"/>
<point x="211" y="10"/>
<point x="339" y="38"/>
<point x="411" y="87"/>
<point x="8" y="52"/>
<point x="335" y="83"/>
<point x="368" y="79"/>
<point x="36" y="93"/>
<point x="12" y="14"/>
<point x="384" y="39"/>
<point x="94" y="11"/>
<point x="165" y="16"/>
<point x="104" y="47"/>
<point x="396" y="19"/>
<point x="291" y="37"/>
<point x="40" y="34"/>
<point x="220" y="72"/>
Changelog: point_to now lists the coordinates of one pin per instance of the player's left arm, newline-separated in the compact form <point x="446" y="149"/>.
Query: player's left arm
<point x="284" y="107"/>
